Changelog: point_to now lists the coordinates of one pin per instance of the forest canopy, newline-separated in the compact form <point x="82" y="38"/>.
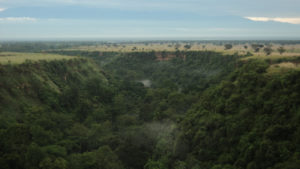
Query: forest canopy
<point x="153" y="110"/>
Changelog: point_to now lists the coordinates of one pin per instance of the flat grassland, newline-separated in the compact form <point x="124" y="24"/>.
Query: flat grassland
<point x="292" y="51"/>
<point x="140" y="47"/>
<point x="19" y="58"/>
<point x="283" y="67"/>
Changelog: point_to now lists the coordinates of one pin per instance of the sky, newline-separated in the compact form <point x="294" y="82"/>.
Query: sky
<point x="150" y="19"/>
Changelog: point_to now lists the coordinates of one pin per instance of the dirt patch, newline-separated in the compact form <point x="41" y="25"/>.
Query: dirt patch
<point x="162" y="56"/>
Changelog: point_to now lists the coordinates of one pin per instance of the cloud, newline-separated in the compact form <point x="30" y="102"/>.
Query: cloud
<point x="2" y="9"/>
<point x="18" y="19"/>
<point x="282" y="20"/>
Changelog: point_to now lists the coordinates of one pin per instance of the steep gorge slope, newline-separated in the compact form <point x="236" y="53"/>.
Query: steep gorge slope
<point x="203" y="110"/>
<point x="250" y="120"/>
<point x="45" y="107"/>
<point x="36" y="83"/>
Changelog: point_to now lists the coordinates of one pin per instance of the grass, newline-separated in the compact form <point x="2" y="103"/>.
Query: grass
<point x="19" y="58"/>
<point x="283" y="67"/>
<point x="128" y="47"/>
<point x="273" y="56"/>
<point x="139" y="47"/>
<point x="292" y="51"/>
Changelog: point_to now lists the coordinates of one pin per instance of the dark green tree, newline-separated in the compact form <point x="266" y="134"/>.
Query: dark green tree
<point x="228" y="46"/>
<point x="268" y="50"/>
<point x="281" y="50"/>
<point x="187" y="47"/>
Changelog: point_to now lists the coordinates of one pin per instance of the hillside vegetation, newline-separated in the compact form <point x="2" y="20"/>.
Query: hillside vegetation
<point x="194" y="110"/>
<point x="18" y="57"/>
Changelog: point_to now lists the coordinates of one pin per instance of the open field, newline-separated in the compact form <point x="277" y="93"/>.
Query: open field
<point x="283" y="67"/>
<point x="129" y="47"/>
<point x="273" y="56"/>
<point x="18" y="58"/>
<point x="292" y="50"/>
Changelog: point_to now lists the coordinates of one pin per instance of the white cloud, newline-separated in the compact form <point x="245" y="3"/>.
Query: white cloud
<point x="288" y="20"/>
<point x="2" y="9"/>
<point x="18" y="19"/>
<point x="277" y="19"/>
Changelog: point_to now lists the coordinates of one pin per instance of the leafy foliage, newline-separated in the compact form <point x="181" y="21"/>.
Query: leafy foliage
<point x="228" y="46"/>
<point x="202" y="110"/>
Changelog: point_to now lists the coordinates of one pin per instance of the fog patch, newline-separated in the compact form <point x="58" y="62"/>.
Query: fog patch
<point x="168" y="140"/>
<point x="146" y="82"/>
<point x="158" y="130"/>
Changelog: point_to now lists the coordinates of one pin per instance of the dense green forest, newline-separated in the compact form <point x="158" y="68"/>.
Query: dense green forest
<point x="190" y="110"/>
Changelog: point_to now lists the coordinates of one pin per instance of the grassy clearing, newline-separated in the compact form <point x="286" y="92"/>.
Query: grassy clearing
<point x="138" y="47"/>
<point x="129" y="47"/>
<point x="18" y="58"/>
<point x="273" y="56"/>
<point x="291" y="50"/>
<point x="283" y="67"/>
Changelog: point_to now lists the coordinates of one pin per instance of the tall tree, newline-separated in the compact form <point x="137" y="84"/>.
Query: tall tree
<point x="281" y="50"/>
<point x="256" y="47"/>
<point x="187" y="46"/>
<point x="228" y="46"/>
<point x="268" y="50"/>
